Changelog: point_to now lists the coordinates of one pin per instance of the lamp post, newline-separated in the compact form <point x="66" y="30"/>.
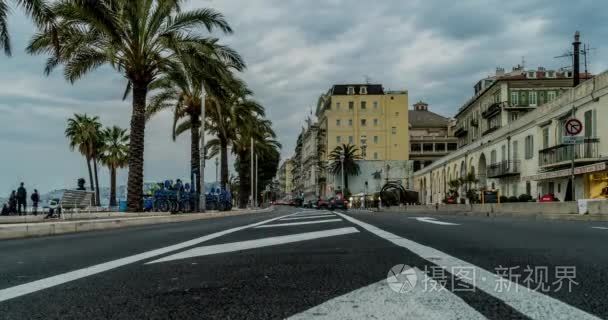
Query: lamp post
<point x="217" y="162"/>
<point x="342" y="156"/>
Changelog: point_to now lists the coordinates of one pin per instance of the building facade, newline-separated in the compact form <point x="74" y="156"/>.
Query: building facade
<point x="529" y="154"/>
<point x="309" y="161"/>
<point x="431" y="136"/>
<point x="374" y="120"/>
<point x="285" y="178"/>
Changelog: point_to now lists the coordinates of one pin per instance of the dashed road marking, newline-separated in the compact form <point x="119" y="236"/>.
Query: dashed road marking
<point x="297" y="223"/>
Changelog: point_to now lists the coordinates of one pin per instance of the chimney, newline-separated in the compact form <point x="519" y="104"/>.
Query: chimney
<point x="576" y="68"/>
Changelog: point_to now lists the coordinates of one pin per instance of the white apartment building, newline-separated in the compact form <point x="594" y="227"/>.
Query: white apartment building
<point x="526" y="154"/>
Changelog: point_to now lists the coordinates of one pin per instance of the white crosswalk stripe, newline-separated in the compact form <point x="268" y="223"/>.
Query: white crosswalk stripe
<point x="297" y="223"/>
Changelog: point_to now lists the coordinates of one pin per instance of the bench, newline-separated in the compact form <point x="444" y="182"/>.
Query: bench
<point x="76" y="199"/>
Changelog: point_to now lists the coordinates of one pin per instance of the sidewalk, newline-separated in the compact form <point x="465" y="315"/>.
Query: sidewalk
<point x="36" y="226"/>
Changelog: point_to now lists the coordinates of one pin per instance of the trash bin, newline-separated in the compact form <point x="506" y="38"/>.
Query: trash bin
<point x="122" y="205"/>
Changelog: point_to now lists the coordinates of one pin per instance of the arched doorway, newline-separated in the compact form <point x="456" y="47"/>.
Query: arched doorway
<point x="482" y="167"/>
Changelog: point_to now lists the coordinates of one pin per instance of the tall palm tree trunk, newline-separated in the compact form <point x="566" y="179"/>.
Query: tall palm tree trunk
<point x="91" y="181"/>
<point x="224" y="161"/>
<point x="195" y="153"/>
<point x="136" y="148"/>
<point x="97" y="199"/>
<point x="112" y="187"/>
<point x="244" y="183"/>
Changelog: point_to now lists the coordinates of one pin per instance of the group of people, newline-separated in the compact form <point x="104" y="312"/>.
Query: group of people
<point x="17" y="202"/>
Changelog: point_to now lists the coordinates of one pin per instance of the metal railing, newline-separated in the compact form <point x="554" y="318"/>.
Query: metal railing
<point x="589" y="149"/>
<point x="504" y="168"/>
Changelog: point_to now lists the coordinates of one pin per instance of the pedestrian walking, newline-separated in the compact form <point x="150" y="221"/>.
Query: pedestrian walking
<point x="12" y="203"/>
<point x="5" y="210"/>
<point x="21" y="200"/>
<point x="35" y="199"/>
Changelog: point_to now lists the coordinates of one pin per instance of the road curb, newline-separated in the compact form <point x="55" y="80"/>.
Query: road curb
<point x="27" y="230"/>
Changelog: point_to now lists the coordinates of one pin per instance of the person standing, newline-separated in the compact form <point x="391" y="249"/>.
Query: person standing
<point x="21" y="200"/>
<point x="12" y="203"/>
<point x="35" y="199"/>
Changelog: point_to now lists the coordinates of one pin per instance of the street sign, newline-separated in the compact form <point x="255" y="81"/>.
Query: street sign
<point x="574" y="126"/>
<point x="573" y="139"/>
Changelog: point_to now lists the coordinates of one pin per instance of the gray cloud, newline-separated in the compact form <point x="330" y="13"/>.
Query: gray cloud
<point x="295" y="50"/>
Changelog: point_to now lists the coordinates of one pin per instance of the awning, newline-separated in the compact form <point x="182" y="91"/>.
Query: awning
<point x="600" y="166"/>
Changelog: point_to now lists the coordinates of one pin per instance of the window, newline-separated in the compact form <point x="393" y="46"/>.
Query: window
<point x="375" y="139"/>
<point x="550" y="74"/>
<point x="439" y="146"/>
<point x="415" y="147"/>
<point x="515" y="150"/>
<point x="551" y="187"/>
<point x="396" y="114"/>
<point x="514" y="98"/>
<point x="350" y="139"/>
<point x="427" y="147"/>
<point x="394" y="130"/>
<point x="338" y="139"/>
<point x="363" y="140"/>
<point x="589" y="124"/>
<point x="529" y="147"/>
<point x="363" y="105"/>
<point x="559" y="188"/>
<point x="452" y="146"/>
<point x="550" y="96"/>
<point x="545" y="137"/>
<point x="503" y="153"/>
<point x="375" y="122"/>
<point x="531" y="74"/>
<point x="350" y="122"/>
<point x="338" y="122"/>
<point x="338" y="106"/>
<point x="363" y="90"/>
<point x="528" y="188"/>
<point x="514" y="116"/>
<point x="363" y="122"/>
<point x="532" y="98"/>
<point x="351" y="105"/>
<point x="350" y="90"/>
<point x="375" y="105"/>
<point x="493" y="157"/>
<point x="375" y="155"/>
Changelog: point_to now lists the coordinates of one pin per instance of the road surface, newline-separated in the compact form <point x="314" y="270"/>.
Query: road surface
<point x="312" y="264"/>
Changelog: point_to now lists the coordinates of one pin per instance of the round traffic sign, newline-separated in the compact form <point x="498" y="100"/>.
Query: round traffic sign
<point x="574" y="126"/>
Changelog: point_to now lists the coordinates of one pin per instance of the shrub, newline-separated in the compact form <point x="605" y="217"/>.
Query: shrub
<point x="525" y="198"/>
<point x="513" y="199"/>
<point x="504" y="199"/>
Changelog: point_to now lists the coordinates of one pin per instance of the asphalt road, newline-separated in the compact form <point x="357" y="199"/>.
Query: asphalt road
<point x="309" y="264"/>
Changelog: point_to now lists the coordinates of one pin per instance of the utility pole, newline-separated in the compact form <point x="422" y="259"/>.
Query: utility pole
<point x="216" y="169"/>
<point x="342" y="156"/>
<point x="256" y="179"/>
<point x="251" y="177"/>
<point x="201" y="175"/>
<point x="576" y="80"/>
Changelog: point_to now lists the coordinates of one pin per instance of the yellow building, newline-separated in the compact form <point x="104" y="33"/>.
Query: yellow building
<point x="368" y="117"/>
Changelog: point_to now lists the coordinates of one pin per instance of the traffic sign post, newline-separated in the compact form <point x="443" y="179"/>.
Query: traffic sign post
<point x="573" y="127"/>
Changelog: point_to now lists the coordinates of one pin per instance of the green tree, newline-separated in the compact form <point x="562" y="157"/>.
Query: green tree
<point x="37" y="9"/>
<point x="351" y="167"/>
<point x="186" y="86"/>
<point x="84" y="134"/>
<point x="114" y="155"/>
<point x="138" y="38"/>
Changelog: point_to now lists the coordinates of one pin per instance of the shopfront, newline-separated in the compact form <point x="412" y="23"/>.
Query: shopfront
<point x="596" y="185"/>
<point x="590" y="182"/>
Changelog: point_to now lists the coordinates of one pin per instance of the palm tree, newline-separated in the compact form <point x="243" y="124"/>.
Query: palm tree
<point x="83" y="133"/>
<point x="137" y="38"/>
<point x="37" y="9"/>
<point x="351" y="167"/>
<point x="114" y="155"/>
<point x="183" y="88"/>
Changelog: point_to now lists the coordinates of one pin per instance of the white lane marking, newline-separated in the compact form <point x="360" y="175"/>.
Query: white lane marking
<point x="601" y="228"/>
<point x="378" y="301"/>
<point x="434" y="221"/>
<point x="308" y="217"/>
<point x="531" y="303"/>
<point x="252" y="244"/>
<point x="313" y="213"/>
<point x="297" y="223"/>
<point x="26" y="288"/>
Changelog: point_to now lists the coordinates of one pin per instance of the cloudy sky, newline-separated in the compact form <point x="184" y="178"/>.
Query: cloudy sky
<point x="295" y="49"/>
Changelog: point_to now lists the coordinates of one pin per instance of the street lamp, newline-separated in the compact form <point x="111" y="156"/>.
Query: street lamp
<point x="342" y="156"/>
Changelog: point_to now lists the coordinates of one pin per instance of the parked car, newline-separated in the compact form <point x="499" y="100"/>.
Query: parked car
<point x="323" y="203"/>
<point x="549" y="197"/>
<point x="337" y="203"/>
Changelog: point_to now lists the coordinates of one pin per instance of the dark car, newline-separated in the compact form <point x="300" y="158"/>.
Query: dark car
<point x="323" y="204"/>
<point x="336" y="203"/>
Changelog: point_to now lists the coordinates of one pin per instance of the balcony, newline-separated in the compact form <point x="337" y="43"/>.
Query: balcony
<point x="562" y="154"/>
<point x="504" y="169"/>
<point x="460" y="132"/>
<point x="493" y="110"/>
<point x="490" y="130"/>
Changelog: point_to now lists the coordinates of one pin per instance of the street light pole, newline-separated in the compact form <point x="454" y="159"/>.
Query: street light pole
<point x="251" y="176"/>
<point x="256" y="179"/>
<point x="201" y="175"/>
<point x="216" y="169"/>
